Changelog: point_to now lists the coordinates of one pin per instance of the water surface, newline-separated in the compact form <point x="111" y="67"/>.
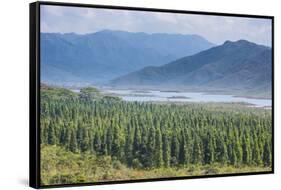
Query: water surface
<point x="155" y="95"/>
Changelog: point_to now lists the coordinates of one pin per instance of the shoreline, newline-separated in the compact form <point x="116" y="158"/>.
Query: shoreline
<point x="207" y="92"/>
<point x="172" y="99"/>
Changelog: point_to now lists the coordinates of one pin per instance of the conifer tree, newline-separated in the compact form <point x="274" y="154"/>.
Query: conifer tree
<point x="158" y="149"/>
<point x="183" y="150"/>
<point x="267" y="158"/>
<point x="73" y="142"/>
<point x="197" y="151"/>
<point x="166" y="150"/>
<point x="51" y="134"/>
<point x="151" y="151"/>
<point x="174" y="150"/>
<point x="128" y="149"/>
<point x="97" y="144"/>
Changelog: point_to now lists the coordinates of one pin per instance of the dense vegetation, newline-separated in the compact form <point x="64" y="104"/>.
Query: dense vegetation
<point x="60" y="166"/>
<point x="91" y="131"/>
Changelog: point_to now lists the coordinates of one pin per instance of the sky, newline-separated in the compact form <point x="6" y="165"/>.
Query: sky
<point x="216" y="29"/>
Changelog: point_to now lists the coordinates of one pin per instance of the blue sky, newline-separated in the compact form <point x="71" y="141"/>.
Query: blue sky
<point x="216" y="29"/>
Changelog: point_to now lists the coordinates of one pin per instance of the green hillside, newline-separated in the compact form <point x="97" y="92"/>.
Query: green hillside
<point x="88" y="137"/>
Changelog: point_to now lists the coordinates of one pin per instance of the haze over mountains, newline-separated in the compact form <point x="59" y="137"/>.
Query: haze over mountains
<point x="96" y="58"/>
<point x="156" y="61"/>
<point x="240" y="67"/>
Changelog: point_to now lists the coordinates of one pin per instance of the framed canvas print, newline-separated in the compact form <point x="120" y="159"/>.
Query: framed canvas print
<point x="125" y="94"/>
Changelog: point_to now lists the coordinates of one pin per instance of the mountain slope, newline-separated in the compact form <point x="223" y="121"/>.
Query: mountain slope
<point x="101" y="56"/>
<point x="233" y="66"/>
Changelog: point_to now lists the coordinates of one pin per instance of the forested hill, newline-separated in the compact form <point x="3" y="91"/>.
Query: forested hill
<point x="97" y="57"/>
<point x="52" y="93"/>
<point x="241" y="66"/>
<point x="147" y="135"/>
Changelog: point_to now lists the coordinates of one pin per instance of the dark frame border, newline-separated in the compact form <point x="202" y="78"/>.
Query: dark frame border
<point x="34" y="92"/>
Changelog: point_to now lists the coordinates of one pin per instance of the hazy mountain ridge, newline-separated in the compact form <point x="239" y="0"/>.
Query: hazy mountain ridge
<point x="240" y="66"/>
<point x="104" y="55"/>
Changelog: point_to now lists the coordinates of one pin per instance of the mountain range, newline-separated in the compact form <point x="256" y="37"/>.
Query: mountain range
<point x="96" y="58"/>
<point x="240" y="67"/>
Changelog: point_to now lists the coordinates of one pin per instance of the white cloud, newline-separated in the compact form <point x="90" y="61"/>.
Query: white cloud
<point x="216" y="29"/>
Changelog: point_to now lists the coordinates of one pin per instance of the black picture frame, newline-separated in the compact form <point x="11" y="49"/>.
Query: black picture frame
<point x="34" y="91"/>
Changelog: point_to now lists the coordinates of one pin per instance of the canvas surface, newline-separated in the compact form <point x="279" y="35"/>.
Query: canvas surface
<point x="130" y="95"/>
